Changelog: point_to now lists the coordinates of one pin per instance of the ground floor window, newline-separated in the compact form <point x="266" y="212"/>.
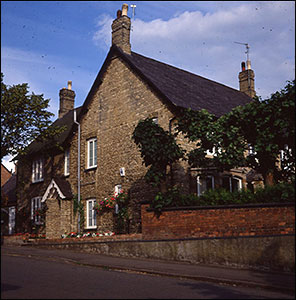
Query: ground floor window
<point x="35" y="211"/>
<point x="232" y="183"/>
<point x="205" y="183"/>
<point x="11" y="220"/>
<point x="91" y="220"/>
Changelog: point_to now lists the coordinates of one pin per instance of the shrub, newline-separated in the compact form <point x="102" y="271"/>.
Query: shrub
<point x="282" y="192"/>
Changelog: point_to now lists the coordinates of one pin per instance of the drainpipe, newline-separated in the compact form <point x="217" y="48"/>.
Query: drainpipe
<point x="78" y="170"/>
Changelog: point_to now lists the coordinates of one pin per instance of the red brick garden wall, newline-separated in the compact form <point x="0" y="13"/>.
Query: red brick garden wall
<point x="223" y="221"/>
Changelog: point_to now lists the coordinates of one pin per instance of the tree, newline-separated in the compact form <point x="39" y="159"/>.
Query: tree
<point x="158" y="149"/>
<point x="24" y="118"/>
<point x="266" y="126"/>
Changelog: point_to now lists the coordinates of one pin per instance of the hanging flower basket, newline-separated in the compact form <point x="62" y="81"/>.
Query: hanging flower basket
<point x="108" y="204"/>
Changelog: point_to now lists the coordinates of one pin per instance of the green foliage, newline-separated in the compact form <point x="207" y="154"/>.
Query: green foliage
<point x="158" y="149"/>
<point x="79" y="207"/>
<point x="268" y="126"/>
<point x="24" y="118"/>
<point x="282" y="192"/>
<point x="122" y="220"/>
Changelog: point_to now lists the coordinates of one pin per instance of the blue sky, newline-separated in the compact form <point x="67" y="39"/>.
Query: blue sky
<point x="47" y="43"/>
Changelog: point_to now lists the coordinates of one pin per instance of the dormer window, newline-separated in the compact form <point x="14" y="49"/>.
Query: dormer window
<point x="37" y="170"/>
<point x="67" y="163"/>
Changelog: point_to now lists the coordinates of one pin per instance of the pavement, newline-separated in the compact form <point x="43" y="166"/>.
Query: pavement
<point x="276" y="281"/>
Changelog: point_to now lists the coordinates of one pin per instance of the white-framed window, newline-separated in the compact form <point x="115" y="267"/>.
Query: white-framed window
<point x="232" y="183"/>
<point x="284" y="157"/>
<point x="37" y="170"/>
<point x="91" y="220"/>
<point x="67" y="163"/>
<point x="205" y="183"/>
<point x="35" y="207"/>
<point x="117" y="189"/>
<point x="11" y="220"/>
<point x="212" y="151"/>
<point x="251" y="150"/>
<point x="92" y="153"/>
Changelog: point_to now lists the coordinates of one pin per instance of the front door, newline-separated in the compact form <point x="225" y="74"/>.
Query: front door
<point x="11" y="220"/>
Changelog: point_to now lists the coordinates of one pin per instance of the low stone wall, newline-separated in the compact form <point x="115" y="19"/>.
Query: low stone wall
<point x="219" y="221"/>
<point x="262" y="253"/>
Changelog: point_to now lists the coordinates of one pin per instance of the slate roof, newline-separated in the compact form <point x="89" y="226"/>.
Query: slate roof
<point x="64" y="186"/>
<point x="176" y="87"/>
<point x="9" y="190"/>
<point x="68" y="121"/>
<point x="187" y="90"/>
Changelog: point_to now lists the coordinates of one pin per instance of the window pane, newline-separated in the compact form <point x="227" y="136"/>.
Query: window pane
<point x="226" y="183"/>
<point x="95" y="216"/>
<point x="236" y="184"/>
<point x="90" y="153"/>
<point x="90" y="213"/>
<point x="209" y="183"/>
<point x="95" y="152"/>
<point x="67" y="162"/>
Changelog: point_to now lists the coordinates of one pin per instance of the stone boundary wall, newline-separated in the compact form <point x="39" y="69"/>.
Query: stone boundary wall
<point x="262" y="253"/>
<point x="219" y="221"/>
<point x="20" y="240"/>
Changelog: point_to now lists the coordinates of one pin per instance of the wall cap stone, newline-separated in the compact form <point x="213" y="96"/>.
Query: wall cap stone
<point x="231" y="206"/>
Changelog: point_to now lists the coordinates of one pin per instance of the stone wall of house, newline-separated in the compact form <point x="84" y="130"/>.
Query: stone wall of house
<point x="58" y="217"/>
<point x="119" y="103"/>
<point x="26" y="189"/>
<point x="216" y="222"/>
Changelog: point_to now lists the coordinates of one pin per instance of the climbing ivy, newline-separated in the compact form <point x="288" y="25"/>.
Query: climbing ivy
<point x="158" y="150"/>
<point x="79" y="207"/>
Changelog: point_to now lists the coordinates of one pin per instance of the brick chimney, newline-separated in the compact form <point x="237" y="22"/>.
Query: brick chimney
<point x="121" y="28"/>
<point x="67" y="97"/>
<point x="246" y="80"/>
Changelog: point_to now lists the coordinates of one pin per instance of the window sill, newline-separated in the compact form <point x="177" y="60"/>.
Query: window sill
<point x="90" y="169"/>
<point x="37" y="181"/>
<point x="91" y="227"/>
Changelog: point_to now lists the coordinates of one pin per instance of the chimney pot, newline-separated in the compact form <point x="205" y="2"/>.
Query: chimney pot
<point x="119" y="14"/>
<point x="124" y="9"/>
<point x="69" y="85"/>
<point x="248" y="64"/>
<point x="243" y="66"/>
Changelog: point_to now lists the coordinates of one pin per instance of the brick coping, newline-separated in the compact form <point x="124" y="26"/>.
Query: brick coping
<point x="229" y="206"/>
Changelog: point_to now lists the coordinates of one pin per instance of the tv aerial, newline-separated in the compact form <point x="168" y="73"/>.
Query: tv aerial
<point x="133" y="6"/>
<point x="247" y="48"/>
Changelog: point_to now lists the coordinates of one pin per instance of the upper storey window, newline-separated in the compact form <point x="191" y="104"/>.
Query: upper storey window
<point x="92" y="153"/>
<point x="37" y="170"/>
<point x="67" y="163"/>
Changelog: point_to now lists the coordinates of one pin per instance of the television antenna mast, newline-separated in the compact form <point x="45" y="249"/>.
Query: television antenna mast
<point x="133" y="6"/>
<point x="247" y="48"/>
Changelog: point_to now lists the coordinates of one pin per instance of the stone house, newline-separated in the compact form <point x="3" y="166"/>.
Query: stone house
<point x="97" y="156"/>
<point x="8" y="201"/>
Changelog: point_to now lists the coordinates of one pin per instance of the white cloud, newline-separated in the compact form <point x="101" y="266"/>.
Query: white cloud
<point x="102" y="37"/>
<point x="6" y="162"/>
<point x="203" y="43"/>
